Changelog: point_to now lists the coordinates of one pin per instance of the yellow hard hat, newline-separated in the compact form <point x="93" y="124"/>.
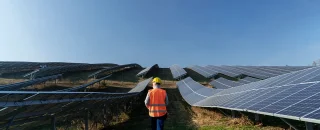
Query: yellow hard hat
<point x="157" y="80"/>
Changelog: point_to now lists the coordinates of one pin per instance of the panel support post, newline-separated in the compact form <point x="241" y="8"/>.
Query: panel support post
<point x="222" y="112"/>
<point x="256" y="118"/>
<point x="295" y="128"/>
<point x="86" y="121"/>
<point x="309" y="126"/>
<point x="9" y="124"/>
<point x="233" y="114"/>
<point x="53" y="123"/>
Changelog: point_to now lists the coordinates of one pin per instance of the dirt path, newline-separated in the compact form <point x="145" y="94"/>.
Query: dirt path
<point x="179" y="114"/>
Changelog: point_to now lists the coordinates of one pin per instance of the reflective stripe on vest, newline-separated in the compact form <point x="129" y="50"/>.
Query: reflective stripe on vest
<point x="158" y="111"/>
<point x="157" y="106"/>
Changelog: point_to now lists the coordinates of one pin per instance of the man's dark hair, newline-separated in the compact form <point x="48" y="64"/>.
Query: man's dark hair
<point x="157" y="83"/>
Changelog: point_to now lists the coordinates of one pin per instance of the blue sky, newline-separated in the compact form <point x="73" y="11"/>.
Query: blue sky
<point x="184" y="32"/>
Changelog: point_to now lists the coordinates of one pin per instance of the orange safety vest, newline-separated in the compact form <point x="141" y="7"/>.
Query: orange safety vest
<point x="157" y="106"/>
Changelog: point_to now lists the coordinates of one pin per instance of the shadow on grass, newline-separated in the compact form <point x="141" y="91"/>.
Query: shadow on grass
<point x="110" y="89"/>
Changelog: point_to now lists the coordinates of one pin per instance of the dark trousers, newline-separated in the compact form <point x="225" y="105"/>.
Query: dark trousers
<point x="157" y="123"/>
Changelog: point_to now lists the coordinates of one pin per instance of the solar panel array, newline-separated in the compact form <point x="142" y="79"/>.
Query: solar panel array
<point x="223" y="83"/>
<point x="84" y="86"/>
<point x="194" y="92"/>
<point x="10" y="67"/>
<point x="21" y="107"/>
<point x="16" y="86"/>
<point x="177" y="72"/>
<point x="260" y="72"/>
<point x="294" y="95"/>
<point x="248" y="80"/>
<point x="28" y="106"/>
<point x="69" y="68"/>
<point x="146" y="70"/>
<point x="206" y="72"/>
<point x="113" y="69"/>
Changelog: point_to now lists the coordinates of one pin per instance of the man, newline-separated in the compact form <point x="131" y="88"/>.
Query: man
<point x="157" y="101"/>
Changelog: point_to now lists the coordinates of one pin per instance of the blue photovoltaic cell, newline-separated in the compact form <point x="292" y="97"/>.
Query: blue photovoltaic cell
<point x="278" y="95"/>
<point x="310" y="75"/>
<point x="193" y="98"/>
<point x="222" y="71"/>
<point x="243" y="99"/>
<point x="203" y="71"/>
<point x="222" y="83"/>
<point x="315" y="114"/>
<point x="292" y="99"/>
<point x="224" y="100"/>
<point x="309" y="101"/>
<point x="248" y="79"/>
<point x="177" y="71"/>
<point x="206" y="91"/>
<point x="263" y="95"/>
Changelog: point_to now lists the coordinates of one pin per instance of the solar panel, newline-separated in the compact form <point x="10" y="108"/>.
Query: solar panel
<point x="84" y="85"/>
<point x="141" y="86"/>
<point x="203" y="71"/>
<point x="294" y="95"/>
<point x="223" y="83"/>
<point x="248" y="80"/>
<point x="194" y="92"/>
<point x="114" y="69"/>
<point x="146" y="70"/>
<point x="69" y="68"/>
<point x="11" y="67"/>
<point x="62" y="99"/>
<point x="16" y="86"/>
<point x="222" y="70"/>
<point x="177" y="72"/>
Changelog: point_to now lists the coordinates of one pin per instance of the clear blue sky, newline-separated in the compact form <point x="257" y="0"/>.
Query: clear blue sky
<point x="184" y="32"/>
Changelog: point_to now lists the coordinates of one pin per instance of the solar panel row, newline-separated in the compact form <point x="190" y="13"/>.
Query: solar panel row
<point x="113" y="69"/>
<point x="20" y="98"/>
<point x="177" y="71"/>
<point x="223" y="70"/>
<point x="81" y="87"/>
<point x="203" y="71"/>
<point x="9" y="67"/>
<point x="253" y="71"/>
<point x="146" y="70"/>
<point x="16" y="86"/>
<point x="223" y="83"/>
<point x="193" y="92"/>
<point x="69" y="68"/>
<point x="248" y="80"/>
<point x="48" y="103"/>
<point x="294" y="95"/>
